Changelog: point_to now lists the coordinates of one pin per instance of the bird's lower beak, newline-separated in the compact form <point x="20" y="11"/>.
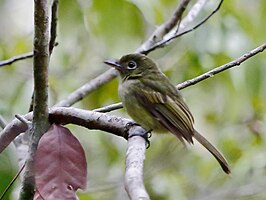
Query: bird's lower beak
<point x="113" y="63"/>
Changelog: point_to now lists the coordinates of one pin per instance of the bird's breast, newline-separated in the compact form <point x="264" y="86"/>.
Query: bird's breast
<point x="135" y="109"/>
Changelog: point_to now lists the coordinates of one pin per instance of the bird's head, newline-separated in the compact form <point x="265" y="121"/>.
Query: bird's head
<point x="133" y="66"/>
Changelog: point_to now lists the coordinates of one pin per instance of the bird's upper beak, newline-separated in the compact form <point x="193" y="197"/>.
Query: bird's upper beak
<point x="113" y="63"/>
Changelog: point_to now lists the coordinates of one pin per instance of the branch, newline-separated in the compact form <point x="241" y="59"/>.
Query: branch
<point x="53" y="34"/>
<point x="109" y="108"/>
<point x="12" y="182"/>
<point x="84" y="90"/>
<point x="190" y="17"/>
<point x="40" y="107"/>
<point x="163" y="29"/>
<point x="16" y="58"/>
<point x="224" y="67"/>
<point x="54" y="19"/>
<point x="52" y="43"/>
<point x="135" y="157"/>
<point x="163" y="42"/>
<point x="168" y="30"/>
<point x="62" y="115"/>
<point x="2" y="122"/>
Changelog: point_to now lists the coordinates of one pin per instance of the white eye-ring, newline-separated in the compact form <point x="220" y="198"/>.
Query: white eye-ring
<point x="131" y="65"/>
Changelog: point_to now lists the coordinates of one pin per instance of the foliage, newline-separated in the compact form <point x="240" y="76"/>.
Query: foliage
<point x="229" y="108"/>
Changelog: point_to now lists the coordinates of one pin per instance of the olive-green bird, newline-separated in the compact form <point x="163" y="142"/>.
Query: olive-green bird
<point x="154" y="103"/>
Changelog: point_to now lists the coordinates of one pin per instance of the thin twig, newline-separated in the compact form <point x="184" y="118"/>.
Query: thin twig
<point x="84" y="90"/>
<point x="189" y="18"/>
<point x="162" y="43"/>
<point x="12" y="182"/>
<point x="224" y="67"/>
<point x="109" y="108"/>
<point x="53" y="29"/>
<point x="163" y="29"/>
<point x="16" y="58"/>
<point x="176" y="18"/>
<point x="52" y="43"/>
<point x="23" y="120"/>
<point x="2" y="122"/>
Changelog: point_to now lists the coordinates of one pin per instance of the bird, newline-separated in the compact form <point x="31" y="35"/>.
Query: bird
<point x="154" y="103"/>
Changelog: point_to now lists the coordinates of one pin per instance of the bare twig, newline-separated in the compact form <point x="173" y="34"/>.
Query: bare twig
<point x="53" y="32"/>
<point x="12" y="182"/>
<point x="2" y="122"/>
<point x="109" y="108"/>
<point x="189" y="18"/>
<point x="22" y="141"/>
<point x="16" y="58"/>
<point x="163" y="29"/>
<point x="52" y="43"/>
<point x="135" y="157"/>
<point x="89" y="119"/>
<point x="224" y="67"/>
<point x="11" y="131"/>
<point x="23" y="120"/>
<point x="162" y="43"/>
<point x="176" y="18"/>
<point x="81" y="92"/>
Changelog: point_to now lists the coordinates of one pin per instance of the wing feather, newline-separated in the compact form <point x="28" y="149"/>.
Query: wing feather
<point x="172" y="113"/>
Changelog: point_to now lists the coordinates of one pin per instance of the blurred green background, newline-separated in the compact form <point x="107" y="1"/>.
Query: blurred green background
<point x="229" y="108"/>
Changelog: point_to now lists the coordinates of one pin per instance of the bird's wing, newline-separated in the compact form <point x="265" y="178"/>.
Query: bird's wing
<point x="171" y="112"/>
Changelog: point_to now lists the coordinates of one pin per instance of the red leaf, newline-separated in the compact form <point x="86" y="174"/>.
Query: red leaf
<point x="60" y="165"/>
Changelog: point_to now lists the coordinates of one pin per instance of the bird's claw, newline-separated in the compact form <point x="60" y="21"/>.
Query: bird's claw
<point x="144" y="134"/>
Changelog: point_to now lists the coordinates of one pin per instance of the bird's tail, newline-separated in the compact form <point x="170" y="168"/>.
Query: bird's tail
<point x="218" y="156"/>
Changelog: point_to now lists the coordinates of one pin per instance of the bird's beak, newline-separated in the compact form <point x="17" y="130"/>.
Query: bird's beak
<point x="113" y="63"/>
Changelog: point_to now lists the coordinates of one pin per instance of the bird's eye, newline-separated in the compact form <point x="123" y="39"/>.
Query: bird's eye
<point x="131" y="65"/>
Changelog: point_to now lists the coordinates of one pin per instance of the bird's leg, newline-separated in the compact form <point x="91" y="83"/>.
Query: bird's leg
<point x="139" y="132"/>
<point x="131" y="124"/>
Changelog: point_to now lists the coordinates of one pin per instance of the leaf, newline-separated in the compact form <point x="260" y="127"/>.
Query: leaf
<point x="60" y="165"/>
<point x="37" y="195"/>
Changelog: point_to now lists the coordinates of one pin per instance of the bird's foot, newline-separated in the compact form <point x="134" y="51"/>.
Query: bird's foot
<point x="139" y="132"/>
